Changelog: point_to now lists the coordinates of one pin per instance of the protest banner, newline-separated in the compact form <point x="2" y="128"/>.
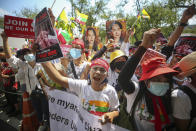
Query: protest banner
<point x="46" y="38"/>
<point x="18" y="27"/>
<point x="66" y="113"/>
<point x="185" y="45"/>
<point x="150" y="53"/>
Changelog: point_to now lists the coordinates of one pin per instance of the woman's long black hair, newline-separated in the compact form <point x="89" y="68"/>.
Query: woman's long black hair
<point x="166" y="99"/>
<point x="95" y="48"/>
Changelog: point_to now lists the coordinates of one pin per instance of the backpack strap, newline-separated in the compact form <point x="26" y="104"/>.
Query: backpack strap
<point x="73" y="69"/>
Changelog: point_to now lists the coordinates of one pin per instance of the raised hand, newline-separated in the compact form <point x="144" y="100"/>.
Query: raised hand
<point x="188" y="13"/>
<point x="4" y="36"/>
<point x="149" y="37"/>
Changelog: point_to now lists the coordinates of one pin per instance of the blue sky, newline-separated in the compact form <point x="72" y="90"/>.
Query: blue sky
<point x="16" y="5"/>
<point x="9" y="6"/>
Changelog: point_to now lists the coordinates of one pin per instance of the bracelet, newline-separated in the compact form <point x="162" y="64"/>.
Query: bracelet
<point x="183" y="24"/>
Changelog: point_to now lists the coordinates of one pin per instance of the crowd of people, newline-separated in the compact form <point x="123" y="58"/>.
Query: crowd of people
<point x="160" y="98"/>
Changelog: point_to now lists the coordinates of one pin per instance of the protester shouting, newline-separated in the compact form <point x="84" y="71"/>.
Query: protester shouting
<point x="95" y="94"/>
<point x="149" y="100"/>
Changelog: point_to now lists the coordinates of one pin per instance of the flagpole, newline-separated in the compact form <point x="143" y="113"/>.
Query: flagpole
<point x="53" y="4"/>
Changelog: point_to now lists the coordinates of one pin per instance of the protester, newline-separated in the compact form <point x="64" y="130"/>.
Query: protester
<point x="8" y="77"/>
<point x="77" y="68"/>
<point x="187" y="14"/>
<point x="20" y="76"/>
<point x="31" y="68"/>
<point x="183" y="98"/>
<point x="148" y="101"/>
<point x="93" y="89"/>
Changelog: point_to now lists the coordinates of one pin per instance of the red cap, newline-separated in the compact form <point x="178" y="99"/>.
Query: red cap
<point x="100" y="62"/>
<point x="154" y="67"/>
<point x="78" y="42"/>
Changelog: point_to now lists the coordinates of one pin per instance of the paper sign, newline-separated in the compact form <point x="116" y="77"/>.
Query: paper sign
<point x="18" y="27"/>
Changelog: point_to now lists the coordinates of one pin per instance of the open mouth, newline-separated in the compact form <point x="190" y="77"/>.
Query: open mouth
<point x="96" y="78"/>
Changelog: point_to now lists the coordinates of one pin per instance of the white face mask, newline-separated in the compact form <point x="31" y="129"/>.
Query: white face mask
<point x="29" y="57"/>
<point x="158" y="88"/>
<point x="179" y="80"/>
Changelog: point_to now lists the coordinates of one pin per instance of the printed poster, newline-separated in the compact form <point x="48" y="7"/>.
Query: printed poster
<point x="185" y="45"/>
<point x="46" y="38"/>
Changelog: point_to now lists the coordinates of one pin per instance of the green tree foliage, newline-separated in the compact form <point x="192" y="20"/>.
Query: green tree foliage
<point x="1" y="22"/>
<point x="94" y="12"/>
<point x="160" y="17"/>
<point x="27" y="12"/>
<point x="177" y="3"/>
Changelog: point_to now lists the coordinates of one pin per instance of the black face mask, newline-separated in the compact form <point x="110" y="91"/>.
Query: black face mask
<point x="119" y="65"/>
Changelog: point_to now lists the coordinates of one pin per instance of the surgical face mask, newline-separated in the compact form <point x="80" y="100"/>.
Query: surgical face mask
<point x="75" y="53"/>
<point x="179" y="80"/>
<point x="158" y="88"/>
<point x="119" y="64"/>
<point x="29" y="57"/>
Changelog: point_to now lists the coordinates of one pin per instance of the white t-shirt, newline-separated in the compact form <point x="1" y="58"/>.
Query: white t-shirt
<point x="182" y="104"/>
<point x="79" y="69"/>
<point x="96" y="102"/>
<point x="143" y="118"/>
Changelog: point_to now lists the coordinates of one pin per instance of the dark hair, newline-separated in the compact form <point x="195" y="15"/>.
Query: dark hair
<point x="3" y="60"/>
<point x="25" y="51"/>
<point x="137" y="43"/>
<point x="120" y="25"/>
<point x="166" y="99"/>
<point x="19" y="53"/>
<point x="95" y="48"/>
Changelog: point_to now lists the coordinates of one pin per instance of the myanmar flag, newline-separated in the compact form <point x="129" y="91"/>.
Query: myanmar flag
<point x="63" y="17"/>
<point x="144" y="15"/>
<point x="63" y="36"/>
<point x="81" y="18"/>
<point x="98" y="107"/>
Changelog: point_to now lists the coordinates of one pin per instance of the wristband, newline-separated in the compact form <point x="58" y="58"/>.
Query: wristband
<point x="183" y="24"/>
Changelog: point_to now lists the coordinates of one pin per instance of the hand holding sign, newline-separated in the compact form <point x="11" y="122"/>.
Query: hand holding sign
<point x="4" y="36"/>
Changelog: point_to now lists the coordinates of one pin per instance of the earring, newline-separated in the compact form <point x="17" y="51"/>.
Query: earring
<point x="189" y="79"/>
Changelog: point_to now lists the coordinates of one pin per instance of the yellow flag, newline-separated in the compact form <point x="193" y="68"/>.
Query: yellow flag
<point x="144" y="14"/>
<point x="81" y="18"/>
<point x="63" y="17"/>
